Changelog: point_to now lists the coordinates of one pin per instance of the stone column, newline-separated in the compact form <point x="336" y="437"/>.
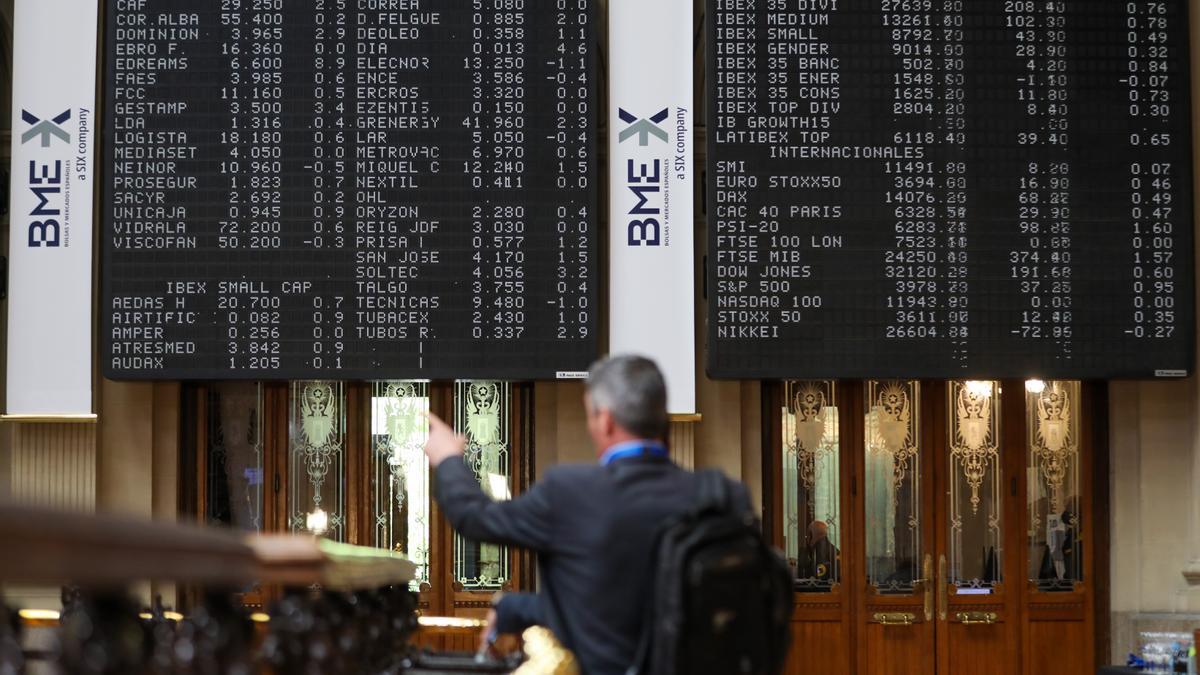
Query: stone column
<point x="48" y="466"/>
<point x="137" y="468"/>
<point x="1191" y="572"/>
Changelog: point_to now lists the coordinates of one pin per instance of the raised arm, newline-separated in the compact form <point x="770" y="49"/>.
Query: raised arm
<point x="525" y="521"/>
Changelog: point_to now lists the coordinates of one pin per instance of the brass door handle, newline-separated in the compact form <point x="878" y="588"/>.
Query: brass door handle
<point x="895" y="618"/>
<point x="927" y="582"/>
<point x="943" y="593"/>
<point x="976" y="618"/>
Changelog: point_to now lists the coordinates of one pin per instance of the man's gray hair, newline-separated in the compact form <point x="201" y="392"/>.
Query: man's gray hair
<point x="632" y="388"/>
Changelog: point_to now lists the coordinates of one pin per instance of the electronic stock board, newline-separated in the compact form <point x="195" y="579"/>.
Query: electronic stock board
<point x="949" y="188"/>
<point x="365" y="189"/>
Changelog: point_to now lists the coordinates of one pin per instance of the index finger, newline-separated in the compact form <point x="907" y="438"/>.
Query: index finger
<point x="435" y="422"/>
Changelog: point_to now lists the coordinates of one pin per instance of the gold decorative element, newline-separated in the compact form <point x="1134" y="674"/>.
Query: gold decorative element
<point x="976" y="618"/>
<point x="316" y="447"/>
<point x="895" y="428"/>
<point x="320" y="438"/>
<point x="484" y="441"/>
<point x="895" y="432"/>
<point x="401" y="499"/>
<point x="686" y="418"/>
<point x="974" y="438"/>
<point x="452" y="623"/>
<point x="482" y="411"/>
<point x="810" y="454"/>
<point x="927" y="582"/>
<point x="51" y="615"/>
<point x="49" y="419"/>
<point x="545" y="655"/>
<point x="403" y="419"/>
<point x="895" y="618"/>
<point x="808" y="441"/>
<point x="403" y="408"/>
<point x="1054" y="441"/>
<point x="892" y="485"/>
<point x="943" y="588"/>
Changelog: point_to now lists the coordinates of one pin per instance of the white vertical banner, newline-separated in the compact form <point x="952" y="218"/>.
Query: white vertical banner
<point x="50" y="244"/>
<point x="652" y="254"/>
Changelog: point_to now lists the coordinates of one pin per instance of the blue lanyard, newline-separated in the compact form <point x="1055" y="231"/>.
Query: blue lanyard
<point x="633" y="449"/>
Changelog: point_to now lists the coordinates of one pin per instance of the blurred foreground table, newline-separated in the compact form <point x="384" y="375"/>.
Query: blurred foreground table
<point x="344" y="609"/>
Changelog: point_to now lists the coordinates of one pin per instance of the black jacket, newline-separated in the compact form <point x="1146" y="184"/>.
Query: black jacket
<point x="594" y="529"/>
<point x="823" y="562"/>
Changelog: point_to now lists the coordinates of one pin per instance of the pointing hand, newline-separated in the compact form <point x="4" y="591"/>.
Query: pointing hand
<point x="443" y="442"/>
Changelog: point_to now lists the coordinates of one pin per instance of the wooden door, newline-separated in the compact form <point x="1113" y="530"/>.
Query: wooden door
<point x="494" y="418"/>
<point x="935" y="530"/>
<point x="811" y="492"/>
<point x="977" y="512"/>
<point x="1032" y="610"/>
<point x="895" y="462"/>
<point x="975" y="558"/>
<point x="259" y="465"/>
<point x="1065" y="428"/>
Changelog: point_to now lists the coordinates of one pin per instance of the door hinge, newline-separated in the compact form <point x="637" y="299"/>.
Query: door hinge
<point x="277" y="483"/>
<point x="1013" y="486"/>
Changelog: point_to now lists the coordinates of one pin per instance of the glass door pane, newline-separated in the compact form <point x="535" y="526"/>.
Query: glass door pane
<point x="893" y="485"/>
<point x="812" y="484"/>
<point x="316" y="458"/>
<point x="1052" y="421"/>
<point x="400" y="471"/>
<point x="234" y="476"/>
<point x="483" y="412"/>
<point x="975" y="510"/>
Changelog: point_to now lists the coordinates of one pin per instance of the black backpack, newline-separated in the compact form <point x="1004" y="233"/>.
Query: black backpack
<point x="722" y="597"/>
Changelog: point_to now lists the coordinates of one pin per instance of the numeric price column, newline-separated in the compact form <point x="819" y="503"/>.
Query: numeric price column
<point x="571" y="144"/>
<point x="1042" y="267"/>
<point x="1152" y="182"/>
<point x="325" y="313"/>
<point x="500" y="38"/>
<point x="912" y="265"/>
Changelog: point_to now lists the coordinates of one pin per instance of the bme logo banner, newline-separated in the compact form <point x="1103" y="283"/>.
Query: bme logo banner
<point x="651" y="241"/>
<point x="47" y="177"/>
<point x="50" y="263"/>
<point x="644" y="176"/>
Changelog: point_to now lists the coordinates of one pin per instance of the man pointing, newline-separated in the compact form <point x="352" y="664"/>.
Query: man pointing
<point x="593" y="526"/>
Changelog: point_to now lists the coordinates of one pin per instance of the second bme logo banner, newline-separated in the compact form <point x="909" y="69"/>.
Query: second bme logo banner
<point x="652" y="271"/>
